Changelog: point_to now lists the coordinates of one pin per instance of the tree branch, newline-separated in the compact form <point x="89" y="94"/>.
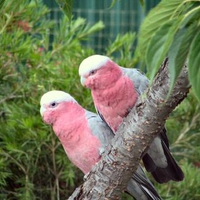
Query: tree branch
<point x="110" y="176"/>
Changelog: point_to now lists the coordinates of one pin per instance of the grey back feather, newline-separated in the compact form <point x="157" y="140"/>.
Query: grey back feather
<point x="139" y="80"/>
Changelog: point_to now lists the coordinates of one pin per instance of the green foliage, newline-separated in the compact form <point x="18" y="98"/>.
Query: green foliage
<point x="1" y="3"/>
<point x="171" y="29"/>
<point x="178" y="51"/>
<point x="66" y="7"/>
<point x="113" y="3"/>
<point x="183" y="130"/>
<point x="33" y="164"/>
<point x="187" y="189"/>
<point x="158" y="16"/>
<point x="159" y="46"/>
<point x="184" y="133"/>
<point x="194" y="60"/>
<point x="123" y="46"/>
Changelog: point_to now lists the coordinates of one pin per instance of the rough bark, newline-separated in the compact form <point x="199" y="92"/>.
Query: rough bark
<point x="110" y="176"/>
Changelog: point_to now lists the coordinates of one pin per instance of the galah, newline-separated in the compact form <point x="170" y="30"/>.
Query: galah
<point x="84" y="136"/>
<point x="115" y="91"/>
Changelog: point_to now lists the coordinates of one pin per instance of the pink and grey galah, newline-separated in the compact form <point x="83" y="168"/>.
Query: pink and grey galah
<point x="115" y="91"/>
<point x="84" y="136"/>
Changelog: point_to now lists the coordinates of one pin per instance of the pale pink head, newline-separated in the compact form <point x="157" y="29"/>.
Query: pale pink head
<point x="98" y="72"/>
<point x="53" y="104"/>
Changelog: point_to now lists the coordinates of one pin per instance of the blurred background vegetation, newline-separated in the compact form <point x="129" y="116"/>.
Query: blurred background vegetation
<point x="33" y="164"/>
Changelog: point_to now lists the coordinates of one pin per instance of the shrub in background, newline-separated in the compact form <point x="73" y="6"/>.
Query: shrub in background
<point x="33" y="164"/>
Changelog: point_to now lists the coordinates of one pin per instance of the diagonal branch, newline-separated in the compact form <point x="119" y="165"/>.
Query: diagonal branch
<point x="110" y="176"/>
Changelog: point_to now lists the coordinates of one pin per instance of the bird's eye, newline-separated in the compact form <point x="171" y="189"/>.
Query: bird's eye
<point x="53" y="104"/>
<point x="93" y="72"/>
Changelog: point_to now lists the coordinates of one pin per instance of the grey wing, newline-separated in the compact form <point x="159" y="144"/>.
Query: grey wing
<point x="102" y="117"/>
<point x="158" y="159"/>
<point x="140" y="81"/>
<point x="99" y="128"/>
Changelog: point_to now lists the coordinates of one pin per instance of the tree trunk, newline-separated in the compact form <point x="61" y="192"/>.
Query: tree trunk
<point x="110" y="176"/>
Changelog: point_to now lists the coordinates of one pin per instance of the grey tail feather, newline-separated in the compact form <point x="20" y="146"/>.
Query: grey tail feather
<point x="146" y="187"/>
<point x="171" y="172"/>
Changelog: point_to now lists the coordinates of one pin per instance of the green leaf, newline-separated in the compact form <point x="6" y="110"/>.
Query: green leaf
<point x="194" y="65"/>
<point x="121" y="42"/>
<point x="191" y="16"/>
<point x="142" y="3"/>
<point x="112" y="4"/>
<point x="164" y="12"/>
<point x="178" y="52"/>
<point x="1" y="3"/>
<point x="66" y="7"/>
<point x="159" y="46"/>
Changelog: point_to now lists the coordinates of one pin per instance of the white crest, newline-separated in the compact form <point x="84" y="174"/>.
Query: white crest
<point x="55" y="96"/>
<point x="91" y="63"/>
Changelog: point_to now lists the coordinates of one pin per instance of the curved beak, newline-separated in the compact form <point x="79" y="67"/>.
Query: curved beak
<point x="83" y="80"/>
<point x="42" y="110"/>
